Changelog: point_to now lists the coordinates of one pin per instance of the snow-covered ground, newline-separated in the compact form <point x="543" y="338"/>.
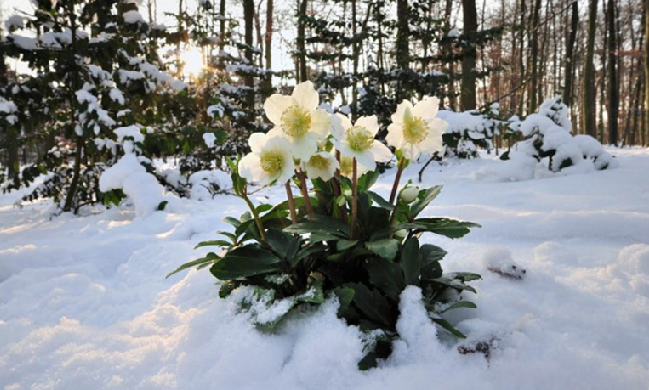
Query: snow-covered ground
<point x="84" y="303"/>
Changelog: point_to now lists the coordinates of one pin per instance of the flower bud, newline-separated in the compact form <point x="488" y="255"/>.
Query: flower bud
<point x="409" y="193"/>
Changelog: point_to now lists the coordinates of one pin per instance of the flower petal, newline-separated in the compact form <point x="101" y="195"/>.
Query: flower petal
<point x="426" y="108"/>
<point x="306" y="95"/>
<point x="395" y="135"/>
<point x="250" y="167"/>
<point x="371" y="123"/>
<point x="365" y="159"/>
<point x="345" y="122"/>
<point x="336" y="129"/>
<point x="397" y="117"/>
<point x="320" y="122"/>
<point x="257" y="142"/>
<point x="304" y="147"/>
<point x="381" y="152"/>
<point x="275" y="106"/>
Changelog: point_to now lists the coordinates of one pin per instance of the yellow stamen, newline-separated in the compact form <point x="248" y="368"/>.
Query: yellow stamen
<point x="414" y="130"/>
<point x="296" y="121"/>
<point x="272" y="162"/>
<point x="360" y="139"/>
<point x="319" y="162"/>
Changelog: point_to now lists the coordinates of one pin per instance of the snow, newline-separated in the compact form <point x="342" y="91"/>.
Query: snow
<point x="132" y="17"/>
<point x="84" y="302"/>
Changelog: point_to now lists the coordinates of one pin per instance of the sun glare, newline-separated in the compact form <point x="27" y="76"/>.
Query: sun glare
<point x="193" y="62"/>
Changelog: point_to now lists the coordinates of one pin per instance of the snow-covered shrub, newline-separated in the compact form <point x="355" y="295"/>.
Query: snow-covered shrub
<point x="130" y="176"/>
<point x="548" y="135"/>
<point x="469" y="130"/>
<point x="341" y="241"/>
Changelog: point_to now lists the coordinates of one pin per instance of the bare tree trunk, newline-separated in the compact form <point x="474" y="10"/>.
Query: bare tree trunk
<point x="267" y="84"/>
<point x="468" y="94"/>
<point x="301" y="41"/>
<point x="613" y="84"/>
<point x="534" y="64"/>
<point x="589" y="104"/>
<point x="402" y="49"/>
<point x="570" y="60"/>
<point x="249" y="80"/>
<point x="645" y="122"/>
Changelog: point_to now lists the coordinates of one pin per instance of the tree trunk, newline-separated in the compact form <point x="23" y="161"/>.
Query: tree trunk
<point x="570" y="61"/>
<point x="589" y="104"/>
<point x="268" y="40"/>
<point x="301" y="41"/>
<point x="613" y="82"/>
<point x="645" y="133"/>
<point x="249" y="80"/>
<point x="468" y="94"/>
<point x="534" y="63"/>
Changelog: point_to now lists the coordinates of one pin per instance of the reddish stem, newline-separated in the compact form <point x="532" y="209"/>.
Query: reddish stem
<point x="354" y="200"/>
<point x="291" y="202"/>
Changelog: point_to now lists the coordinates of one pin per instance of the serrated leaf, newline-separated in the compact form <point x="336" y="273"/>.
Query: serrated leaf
<point x="411" y="261"/>
<point x="386" y="248"/>
<point x="245" y="261"/>
<point x="442" y="226"/>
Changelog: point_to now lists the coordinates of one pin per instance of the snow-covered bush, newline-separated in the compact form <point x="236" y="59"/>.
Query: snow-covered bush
<point x="469" y="130"/>
<point x="342" y="241"/>
<point x="130" y="176"/>
<point x="547" y="135"/>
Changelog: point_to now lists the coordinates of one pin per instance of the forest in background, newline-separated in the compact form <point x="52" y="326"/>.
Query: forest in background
<point x="94" y="66"/>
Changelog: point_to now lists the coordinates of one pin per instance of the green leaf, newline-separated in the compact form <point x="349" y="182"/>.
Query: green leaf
<point x="425" y="197"/>
<point x="232" y="221"/>
<point x="461" y="304"/>
<point x="213" y="243"/>
<point x="245" y="261"/>
<point x="345" y="296"/>
<point x="386" y="276"/>
<point x="366" y="181"/>
<point x="411" y="261"/>
<point x="372" y="304"/>
<point x="430" y="257"/>
<point x="320" y="224"/>
<point x="162" y="205"/>
<point x="443" y="226"/>
<point x="378" y="199"/>
<point x="285" y="245"/>
<point x="343" y="245"/>
<point x="208" y="259"/>
<point x="386" y="248"/>
<point x="447" y="325"/>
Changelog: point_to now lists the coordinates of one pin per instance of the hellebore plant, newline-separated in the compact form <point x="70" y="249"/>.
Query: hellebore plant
<point x="340" y="239"/>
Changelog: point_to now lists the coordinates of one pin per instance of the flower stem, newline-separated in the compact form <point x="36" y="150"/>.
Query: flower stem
<point x="305" y="193"/>
<point x="337" y="191"/>
<point x="255" y="214"/>
<point x="397" y="179"/>
<point x="354" y="200"/>
<point x="291" y="202"/>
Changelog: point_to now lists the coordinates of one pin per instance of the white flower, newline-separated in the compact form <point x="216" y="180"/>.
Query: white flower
<point x="358" y="141"/>
<point x="346" y="167"/>
<point x="269" y="162"/>
<point x="298" y="119"/>
<point x="415" y="129"/>
<point x="322" y="165"/>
